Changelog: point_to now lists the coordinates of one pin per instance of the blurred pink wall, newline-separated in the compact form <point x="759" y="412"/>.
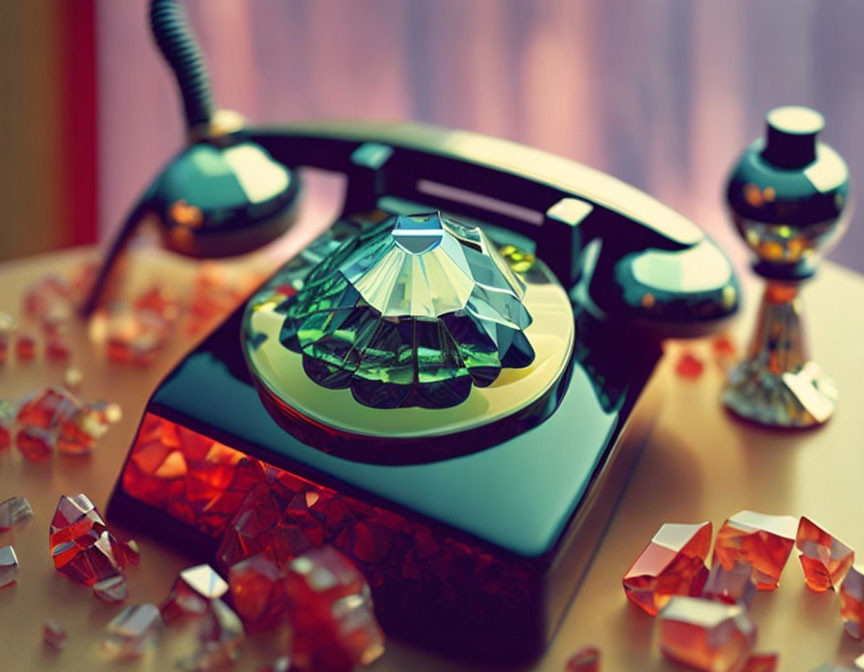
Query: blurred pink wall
<point x="662" y="93"/>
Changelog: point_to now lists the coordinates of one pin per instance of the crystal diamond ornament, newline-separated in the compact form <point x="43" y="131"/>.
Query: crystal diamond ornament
<point x="35" y="444"/>
<point x="824" y="558"/>
<point x="412" y="312"/>
<point x="8" y="566"/>
<point x="706" y="635"/>
<point x="852" y="602"/>
<point x="133" y="631"/>
<point x="14" y="511"/>
<point x="762" y="541"/>
<point x="673" y="563"/>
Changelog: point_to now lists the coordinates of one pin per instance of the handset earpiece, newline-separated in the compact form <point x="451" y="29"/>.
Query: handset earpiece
<point x="223" y="194"/>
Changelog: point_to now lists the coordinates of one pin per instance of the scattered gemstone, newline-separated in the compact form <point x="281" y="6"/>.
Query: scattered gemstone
<point x="25" y="347"/>
<point x="762" y="662"/>
<point x="761" y="541"/>
<point x="36" y="444"/>
<point x="13" y="511"/>
<point x="54" y="634"/>
<point x="730" y="585"/>
<point x="689" y="366"/>
<point x="706" y="635"/>
<point x="724" y="347"/>
<point x="852" y="602"/>
<point x="193" y="591"/>
<point x="673" y="563"/>
<point x="45" y="407"/>
<point x="77" y="432"/>
<point x="57" y="348"/>
<point x="221" y="635"/>
<point x="8" y="410"/>
<point x="133" y="631"/>
<point x="8" y="566"/>
<point x="586" y="660"/>
<point x="81" y="545"/>
<point x="257" y="592"/>
<point x="824" y="558"/>
<point x="330" y="611"/>
<point x="134" y="335"/>
<point x="111" y="588"/>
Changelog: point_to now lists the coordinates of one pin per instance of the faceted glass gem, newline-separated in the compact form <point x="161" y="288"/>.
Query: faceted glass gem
<point x="13" y="511"/>
<point x="824" y="558"/>
<point x="852" y="602"/>
<point x="111" y="589"/>
<point x="257" y="592"/>
<point x="762" y="662"/>
<point x="706" y="635"/>
<point x="25" y="347"/>
<point x="330" y="611"/>
<point x="54" y="634"/>
<point x="192" y="592"/>
<point x="221" y="635"/>
<point x="586" y="660"/>
<point x="35" y="444"/>
<point x="81" y="545"/>
<point x="730" y="585"/>
<point x="45" y="407"/>
<point x="689" y="366"/>
<point x="673" y="563"/>
<point x="762" y="541"/>
<point x="8" y="566"/>
<point x="411" y="312"/>
<point x="133" y="631"/>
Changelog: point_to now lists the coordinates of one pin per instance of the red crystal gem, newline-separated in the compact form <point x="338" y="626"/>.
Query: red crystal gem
<point x="257" y="592"/>
<point x="706" y="635"/>
<point x="761" y="541"/>
<point x="36" y="444"/>
<point x="824" y="558"/>
<point x="852" y="602"/>
<point x="81" y="545"/>
<point x="57" y="348"/>
<point x="54" y="634"/>
<point x="330" y="612"/>
<point x="192" y="592"/>
<point x="25" y="347"/>
<point x="689" y="366"/>
<point x="45" y="407"/>
<point x="672" y="564"/>
<point x="730" y="585"/>
<point x="586" y="660"/>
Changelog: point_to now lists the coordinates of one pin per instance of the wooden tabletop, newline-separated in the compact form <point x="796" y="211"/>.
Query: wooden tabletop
<point x="699" y="464"/>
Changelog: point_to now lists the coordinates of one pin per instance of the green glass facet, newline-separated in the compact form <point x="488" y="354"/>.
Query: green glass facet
<point x="413" y="311"/>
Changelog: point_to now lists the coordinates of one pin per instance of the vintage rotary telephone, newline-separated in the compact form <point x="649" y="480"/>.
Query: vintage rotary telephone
<point x="454" y="376"/>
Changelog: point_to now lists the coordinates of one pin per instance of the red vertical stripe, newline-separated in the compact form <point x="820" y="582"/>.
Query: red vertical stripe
<point x="78" y="115"/>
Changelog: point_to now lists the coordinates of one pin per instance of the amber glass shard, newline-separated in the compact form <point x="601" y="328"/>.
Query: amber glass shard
<point x="673" y="563"/>
<point x="761" y="541"/>
<point x="706" y="635"/>
<point x="257" y="592"/>
<point x="730" y="585"/>
<point x="824" y="558"/>
<point x="852" y="602"/>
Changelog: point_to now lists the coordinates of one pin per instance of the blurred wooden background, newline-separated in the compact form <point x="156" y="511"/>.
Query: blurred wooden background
<point x="662" y="93"/>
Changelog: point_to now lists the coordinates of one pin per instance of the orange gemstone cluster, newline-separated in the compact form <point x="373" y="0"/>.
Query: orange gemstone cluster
<point x="703" y="616"/>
